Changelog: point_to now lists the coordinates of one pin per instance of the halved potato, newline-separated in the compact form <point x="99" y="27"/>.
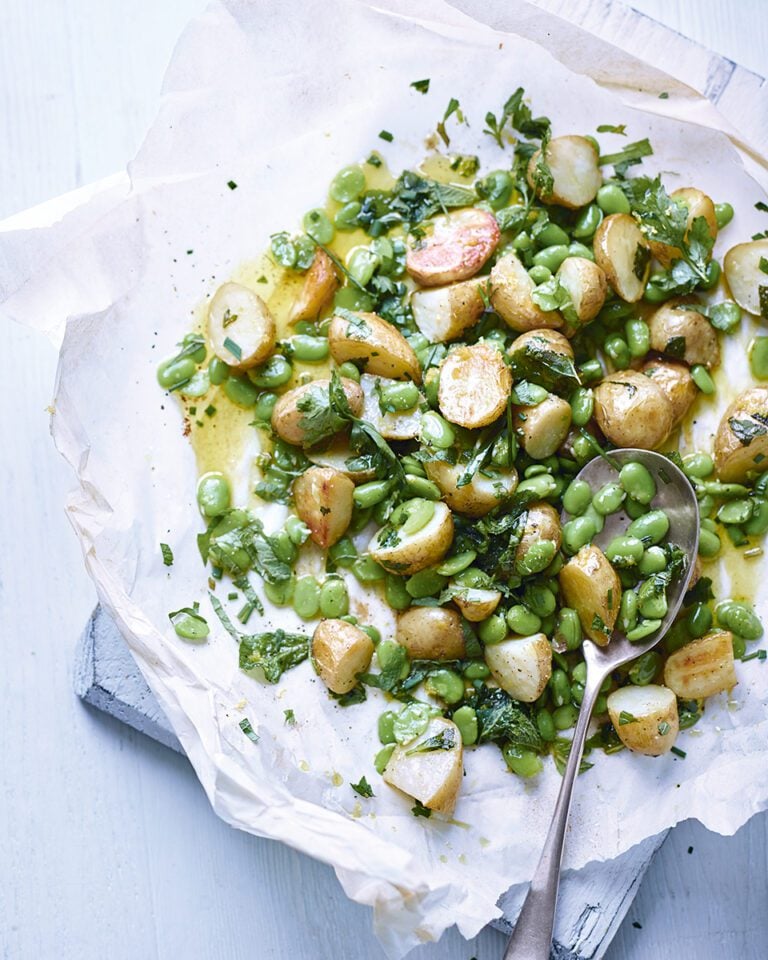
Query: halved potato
<point x="632" y="410"/>
<point x="323" y="499"/>
<point x="511" y="290"/>
<point x="409" y="553"/>
<point x="521" y="665"/>
<point x="320" y="284"/>
<point x="676" y="383"/>
<point x="587" y="285"/>
<point x="748" y="283"/>
<point x="573" y="163"/>
<point x="431" y="775"/>
<point x="592" y="588"/>
<point x="431" y="633"/>
<point x="622" y="252"/>
<point x="682" y="333"/>
<point x="476" y="604"/>
<point x="741" y="441"/>
<point x="475" y="384"/>
<point x="645" y="718"/>
<point x="336" y="457"/>
<point x="366" y="337"/>
<point x="446" y="312"/>
<point x="401" y="425"/>
<point x="340" y="651"/>
<point x="542" y="428"/>
<point x="240" y="327"/>
<point x="533" y="341"/>
<point x="457" y="247"/>
<point x="698" y="204"/>
<point x="702" y="667"/>
<point x="487" y="489"/>
<point x="542" y="522"/>
<point x="287" y="417"/>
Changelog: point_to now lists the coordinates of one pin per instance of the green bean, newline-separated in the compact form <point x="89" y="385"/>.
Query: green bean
<point x="539" y="273"/>
<point x="638" y="336"/>
<point x="383" y="757"/>
<point x="654" y="560"/>
<point x="702" y="378"/>
<point x="546" y="725"/>
<point x="577" y="533"/>
<point x="758" y="522"/>
<point x="175" y="372"/>
<point x="493" y="629"/>
<point x="318" y="226"/>
<point x="396" y="595"/>
<point x="348" y="184"/>
<point x="559" y="687"/>
<point x="577" y="249"/>
<point x="371" y="493"/>
<point x="541" y="487"/>
<point x="739" y="618"/>
<point x="552" y="235"/>
<point x="587" y="222"/>
<point x="565" y="717"/>
<point x="309" y="349"/>
<point x="386" y="727"/>
<point x="709" y="543"/>
<point x="536" y="558"/>
<point x="644" y="629"/>
<point x="644" y="670"/>
<point x="334" y="599"/>
<point x="723" y="214"/>
<point x="436" y="432"/>
<point x="541" y="600"/>
<point x="735" y="511"/>
<point x="477" y="670"/>
<point x="638" y="481"/>
<point x="524" y="763"/>
<point x="522" y="621"/>
<point x="218" y="371"/>
<point x="612" y="199"/>
<point x="280" y="593"/>
<point x="213" y="494"/>
<point x="425" y="583"/>
<point x="651" y="528"/>
<point x="577" y="497"/>
<point x="457" y="563"/>
<point x="582" y="406"/>
<point x="628" y="611"/>
<point x="346" y="218"/>
<point x="568" y="628"/>
<point x="625" y="551"/>
<point x="396" y="397"/>
<point x="366" y="570"/>
<point x="276" y="372"/>
<point x="608" y="498"/>
<point x="446" y="685"/>
<point x="551" y="257"/>
<point x="617" y="349"/>
<point x="465" y="719"/>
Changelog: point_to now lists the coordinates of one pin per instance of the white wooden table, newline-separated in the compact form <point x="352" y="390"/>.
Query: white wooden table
<point x="108" y="845"/>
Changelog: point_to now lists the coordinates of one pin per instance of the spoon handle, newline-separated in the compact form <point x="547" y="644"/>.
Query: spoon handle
<point x="532" y="937"/>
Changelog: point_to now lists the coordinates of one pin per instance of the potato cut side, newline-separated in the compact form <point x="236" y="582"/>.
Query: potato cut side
<point x="458" y="246"/>
<point x="400" y="425"/>
<point x="698" y="204"/>
<point x="576" y="176"/>
<point x="336" y="457"/>
<point x="645" y="718"/>
<point x="511" y="297"/>
<point x="622" y="252"/>
<point x="521" y="665"/>
<point x="475" y="384"/>
<point x="586" y="284"/>
<point x="320" y="284"/>
<point x="408" y="553"/>
<point x="431" y="633"/>
<point x="592" y="588"/>
<point x="287" y="417"/>
<point x="477" y="604"/>
<point x="488" y="488"/>
<point x="741" y="441"/>
<point x="430" y="768"/>
<point x="632" y="410"/>
<point x="683" y="334"/>
<point x="542" y="522"/>
<point x="445" y="313"/>
<point x="323" y="499"/>
<point x="702" y="667"/>
<point x="534" y="342"/>
<point x="542" y="428"/>
<point x="748" y="283"/>
<point x="240" y="327"/>
<point x="340" y="651"/>
<point x="676" y="383"/>
<point x="382" y="348"/>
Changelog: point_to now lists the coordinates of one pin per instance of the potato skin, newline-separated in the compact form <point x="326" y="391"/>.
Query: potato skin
<point x="651" y="706"/>
<point x="323" y="499"/>
<point x="476" y="498"/>
<point x="340" y="651"/>
<point x="620" y="251"/>
<point x="544" y="339"/>
<point x="286" y="416"/>
<point x="457" y="248"/>
<point x="735" y="453"/>
<point x="699" y="205"/>
<point x="238" y="314"/>
<point x="431" y="633"/>
<point x="674" y="320"/>
<point x="432" y="777"/>
<point x="320" y="284"/>
<point x="542" y="522"/>
<point x="521" y="665"/>
<point x="676" y="383"/>
<point x="743" y="273"/>
<point x="400" y="425"/>
<point x="586" y="282"/>
<point x="410" y="554"/>
<point x="444" y="313"/>
<point x="702" y="667"/>
<point x="632" y="410"/>
<point x="592" y="588"/>
<point x="477" y="604"/>
<point x="511" y="290"/>
<point x="573" y="162"/>
<point x="381" y="346"/>
<point x="543" y="427"/>
<point x="475" y="384"/>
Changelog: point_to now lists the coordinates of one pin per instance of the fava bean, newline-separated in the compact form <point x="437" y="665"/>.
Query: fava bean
<point x="587" y="222"/>
<point x="465" y="719"/>
<point x="214" y="496"/>
<point x="536" y="558"/>
<point x="577" y="497"/>
<point x="522" y="242"/>
<point x="343" y="553"/>
<point x="698" y="465"/>
<point x="739" y="618"/>
<point x="699" y="620"/>
<point x="709" y="543"/>
<point x="265" y="404"/>
<point x="577" y="533"/>
<point x="372" y="632"/>
<point x="638" y="337"/>
<point x="545" y="725"/>
<point x="496" y="189"/>
<point x="597" y="519"/>
<point x="712" y="275"/>
<point x="306" y="597"/>
<point x="617" y="349"/>
<point x="425" y="583"/>
<point x="386" y="727"/>
<point x="638" y="481"/>
<point x="551" y="257"/>
<point x="644" y="629"/>
<point x="654" y="560"/>
<point x="540" y="599"/>
<point x="493" y="629"/>
<point x="723" y="214"/>
<point x="568" y="628"/>
<point x="525" y="763"/>
<point x="651" y="528"/>
<point x="346" y="218"/>
<point x="552" y="235"/>
<point x="522" y="621"/>
<point x="565" y="717"/>
<point x="542" y="486"/>
<point x="652" y="604"/>
<point x="477" y="670"/>
<point x="348" y="184"/>
<point x="590" y="371"/>
<point x="608" y="498"/>
<point x="539" y="273"/>
<point x="318" y="226"/>
<point x="399" y="396"/>
<point x="735" y="511"/>
<point x="576" y="249"/>
<point x="383" y="757"/>
<point x="457" y="563"/>
<point x="371" y="493"/>
<point x="582" y="406"/>
<point x="334" y="599"/>
<point x="413" y="515"/>
<point x="280" y="593"/>
<point x="396" y="595"/>
<point x="645" y="668"/>
<point x="175" y="372"/>
<point x="446" y="685"/>
<point x="758" y="358"/>
<point x="559" y="687"/>
<point x="241" y="392"/>
<point x="437" y="432"/>
<point x="628" y="611"/>
<point x="612" y="199"/>
<point x="625" y="551"/>
<point x="309" y="349"/>
<point x="703" y="379"/>
<point x="758" y="522"/>
<point x="739" y="645"/>
<point x="633" y="509"/>
<point x="350" y="371"/>
<point x="276" y="372"/>
<point x="366" y="570"/>
<point x="218" y="371"/>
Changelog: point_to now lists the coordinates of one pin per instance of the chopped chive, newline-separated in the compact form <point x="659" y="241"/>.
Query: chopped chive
<point x="664" y="728"/>
<point x="610" y="128"/>
<point x="190" y="252"/>
<point x="386" y="135"/>
<point x="625" y="718"/>
<point x="290" y="717"/>
<point x="209" y="410"/>
<point x="245" y="726"/>
<point x="761" y="206"/>
<point x="633" y="153"/>
<point x="664" y="95"/>
<point x="234" y="348"/>
<point x="167" y="554"/>
<point x="679" y="753"/>
<point x="231" y="184"/>
<point x="755" y="655"/>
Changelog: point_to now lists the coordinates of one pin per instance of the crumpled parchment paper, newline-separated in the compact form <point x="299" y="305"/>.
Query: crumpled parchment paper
<point x="277" y="97"/>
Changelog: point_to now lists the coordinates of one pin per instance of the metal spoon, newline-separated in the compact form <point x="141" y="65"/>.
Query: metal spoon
<point x="532" y="936"/>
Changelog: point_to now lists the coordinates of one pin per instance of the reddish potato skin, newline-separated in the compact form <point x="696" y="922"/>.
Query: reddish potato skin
<point x="459" y="246"/>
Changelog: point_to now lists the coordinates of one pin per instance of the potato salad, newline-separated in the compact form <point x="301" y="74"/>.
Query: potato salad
<point x="427" y="364"/>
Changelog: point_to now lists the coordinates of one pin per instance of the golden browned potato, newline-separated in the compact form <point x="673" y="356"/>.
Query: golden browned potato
<point x="542" y="522"/>
<point x="336" y="457"/>
<point x="397" y="425"/>
<point x="366" y="337"/>
<point x="431" y="775"/>
<point x="431" y="633"/>
<point x="340" y="651"/>
<point x="487" y="489"/>
<point x="240" y="327"/>
<point x="748" y="283"/>
<point x="446" y="312"/>
<point x="456" y="248"/>
<point x="320" y="284"/>
<point x="521" y="665"/>
<point x="477" y="604"/>
<point x="684" y="334"/>
<point x="741" y="441"/>
<point x="287" y="417"/>
<point x="632" y="410"/>
<point x="645" y="718"/>
<point x="475" y="384"/>
<point x="543" y="427"/>
<point x="622" y="252"/>
<point x="407" y="553"/>
<point x="573" y="163"/>
<point x="676" y="383"/>
<point x="511" y="290"/>
<point x="702" y="667"/>
<point x="323" y="499"/>
<point x="586" y="283"/>
<point x="698" y="204"/>
<point x="592" y="588"/>
<point x="531" y="342"/>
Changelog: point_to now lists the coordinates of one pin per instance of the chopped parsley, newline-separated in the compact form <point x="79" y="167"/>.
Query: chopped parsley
<point x="386" y="135"/>
<point x="247" y="728"/>
<point x="518" y="115"/>
<point x="290" y="717"/>
<point x="452" y="108"/>
<point x="421" y="811"/>
<point x="363" y="789"/>
<point x="231" y="184"/>
<point x="422" y="86"/>
<point x="167" y="554"/>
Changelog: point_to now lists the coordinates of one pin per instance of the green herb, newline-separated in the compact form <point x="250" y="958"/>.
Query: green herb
<point x="290" y="717"/>
<point x="610" y="128"/>
<point x="761" y="206"/>
<point x="664" y="95"/>
<point x="167" y="554"/>
<point x="229" y="317"/>
<point x="501" y="718"/>
<point x="599" y="624"/>
<point x="453" y="107"/>
<point x="631" y="154"/>
<point x="441" y="741"/>
<point x="386" y="135"/>
<point x="755" y="655"/>
<point x="234" y="348"/>
<point x="221" y="613"/>
<point x="356" y="695"/>
<point x="254" y="603"/>
<point x="273" y="652"/>
<point x="363" y="788"/>
<point x="210" y="410"/>
<point x="763" y="264"/>
<point x="422" y="86"/>
<point x="664" y="728"/>
<point x="561" y="750"/>
<point x="552" y="295"/>
<point x="543" y="180"/>
<point x="237" y="543"/>
<point x="746" y="431"/>
<point x="466" y="165"/>
<point x="675" y="347"/>
<point x="245" y="726"/>
<point x="421" y="811"/>
<point x="625" y="717"/>
<point x="390" y="675"/>
<point x="231" y="184"/>
<point x="520" y="118"/>
<point x="679" y="753"/>
<point x="544" y="366"/>
<point x="374" y="161"/>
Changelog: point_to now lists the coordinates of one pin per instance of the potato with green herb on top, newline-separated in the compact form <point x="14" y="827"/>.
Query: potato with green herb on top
<point x="383" y="349"/>
<point x="455" y="248"/>
<point x="323" y="499"/>
<point x="575" y="171"/>
<point x="431" y="633"/>
<point x="645" y="718"/>
<point x="406" y="551"/>
<point x="542" y="523"/>
<point x="430" y="768"/>
<point x="512" y="297"/>
<point x="632" y="410"/>
<point x="624" y="255"/>
<point x="240" y="327"/>
<point x="445" y="313"/>
<point x="678" y="331"/>
<point x="543" y="427"/>
<point x="476" y="603"/>
<point x="586" y="284"/>
<point x="475" y="384"/>
<point x="290" y="419"/>
<point x="592" y="588"/>
<point x="340" y="651"/>
<point x="745" y="275"/>
<point x="741" y="441"/>
<point x="698" y="204"/>
<point x="488" y="487"/>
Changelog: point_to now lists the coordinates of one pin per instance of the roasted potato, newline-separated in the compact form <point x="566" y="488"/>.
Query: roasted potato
<point x="408" y="553"/>
<point x="431" y="633"/>
<point x="477" y="604"/>
<point x="632" y="410"/>
<point x="534" y="341"/>
<point x="340" y="651"/>
<point x="475" y="384"/>
<point x="543" y="427"/>
<point x="698" y="204"/>
<point x="521" y="665"/>
<point x="573" y="163"/>
<point x="320" y="284"/>
<point x="542" y="522"/>
<point x="741" y="441"/>
<point x="622" y="252"/>
<point x="336" y="457"/>
<point x="487" y="489"/>
<point x="702" y="667"/>
<point x="511" y="290"/>
<point x="586" y="283"/>
<point x="645" y="718"/>
<point x="680" y="332"/>
<point x="240" y="327"/>
<point x="592" y="588"/>
<point x="748" y="283"/>
<point x="431" y="776"/>
<point x="323" y="499"/>
<point x="287" y="417"/>
<point x="446" y="312"/>
<point x="400" y="425"/>
<point x="676" y="383"/>
<point x="458" y="246"/>
<point x="366" y="337"/>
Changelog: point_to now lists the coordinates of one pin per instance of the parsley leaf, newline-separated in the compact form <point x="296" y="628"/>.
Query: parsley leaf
<point x="519" y="116"/>
<point x="453" y="107"/>
<point x="167" y="554"/>
<point x="421" y="811"/>
<point x="363" y="789"/>
<point x="273" y="652"/>
<point x="422" y="86"/>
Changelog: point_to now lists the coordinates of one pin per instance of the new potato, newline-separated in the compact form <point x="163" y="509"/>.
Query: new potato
<point x="698" y="204"/>
<point x="521" y="665"/>
<point x="340" y="651"/>
<point x="676" y="383"/>
<point x="240" y="327"/>
<point x="592" y="588"/>
<point x="745" y="277"/>
<point x="323" y="499"/>
<point x="445" y="313"/>
<point x="287" y="417"/>
<point x="486" y="490"/>
<point x="623" y="254"/>
<point x="576" y="176"/>
<point x="586" y="284"/>
<point x="542" y="428"/>
<point x="542" y="522"/>
<point x="319" y="285"/>
<point x="645" y="718"/>
<point x="741" y="441"/>
<point x="675" y="325"/>
<point x="702" y="667"/>
<point x="632" y="410"/>
<point x="477" y="604"/>
<point x="382" y="348"/>
<point x="431" y="633"/>
<point x="511" y="297"/>
<point x="475" y="384"/>
<point x="408" y="553"/>
<point x="433" y="777"/>
<point x="458" y="246"/>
